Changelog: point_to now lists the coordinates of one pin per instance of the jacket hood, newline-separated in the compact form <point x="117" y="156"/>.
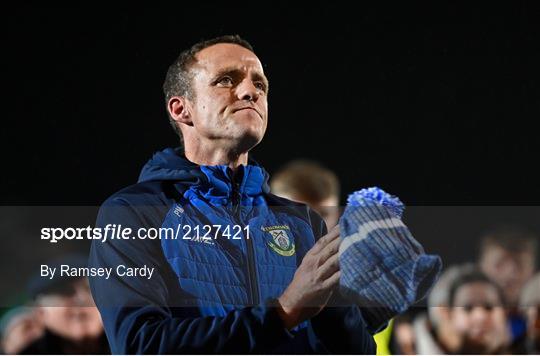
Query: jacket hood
<point x="215" y="181"/>
<point x="170" y="164"/>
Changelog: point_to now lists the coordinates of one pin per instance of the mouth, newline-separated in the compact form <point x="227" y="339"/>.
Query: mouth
<point x="478" y="333"/>
<point x="248" y="108"/>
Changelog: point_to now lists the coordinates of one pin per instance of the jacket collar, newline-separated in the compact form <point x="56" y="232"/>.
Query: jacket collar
<point x="215" y="183"/>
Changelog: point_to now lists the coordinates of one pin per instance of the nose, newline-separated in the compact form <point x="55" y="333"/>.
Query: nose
<point x="479" y="315"/>
<point x="510" y="271"/>
<point x="246" y="90"/>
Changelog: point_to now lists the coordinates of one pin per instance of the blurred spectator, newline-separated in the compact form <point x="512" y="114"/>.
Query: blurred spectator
<point x="508" y="257"/>
<point x="312" y="184"/>
<point x="530" y="305"/>
<point x="65" y="306"/>
<point x="19" y="327"/>
<point x="403" y="335"/>
<point x="434" y="332"/>
<point x="477" y="315"/>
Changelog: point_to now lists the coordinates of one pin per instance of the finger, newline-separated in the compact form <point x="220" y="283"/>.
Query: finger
<point x="333" y="281"/>
<point x="325" y="240"/>
<point x="330" y="267"/>
<point x="329" y="250"/>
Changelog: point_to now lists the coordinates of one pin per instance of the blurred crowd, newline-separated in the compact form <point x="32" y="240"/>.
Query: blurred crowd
<point x="488" y="306"/>
<point x="59" y="318"/>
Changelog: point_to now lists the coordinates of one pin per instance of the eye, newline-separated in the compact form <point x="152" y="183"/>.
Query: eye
<point x="225" y="81"/>
<point x="260" y="86"/>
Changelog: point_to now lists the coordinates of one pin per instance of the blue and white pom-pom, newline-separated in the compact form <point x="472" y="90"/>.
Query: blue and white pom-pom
<point x="377" y="196"/>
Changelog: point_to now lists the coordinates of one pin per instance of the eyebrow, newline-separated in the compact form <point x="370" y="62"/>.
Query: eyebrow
<point x="235" y="72"/>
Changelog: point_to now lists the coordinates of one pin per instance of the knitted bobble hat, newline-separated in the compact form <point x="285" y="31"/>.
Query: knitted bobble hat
<point x="384" y="270"/>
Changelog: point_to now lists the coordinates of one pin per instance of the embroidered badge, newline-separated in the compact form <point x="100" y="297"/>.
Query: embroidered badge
<point x="281" y="242"/>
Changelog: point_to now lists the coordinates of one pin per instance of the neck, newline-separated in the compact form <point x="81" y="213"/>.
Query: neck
<point x="216" y="156"/>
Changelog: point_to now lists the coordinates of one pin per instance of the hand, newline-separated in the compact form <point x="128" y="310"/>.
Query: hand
<point x="313" y="281"/>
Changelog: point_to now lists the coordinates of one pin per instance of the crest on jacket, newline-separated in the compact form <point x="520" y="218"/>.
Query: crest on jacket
<point x="281" y="242"/>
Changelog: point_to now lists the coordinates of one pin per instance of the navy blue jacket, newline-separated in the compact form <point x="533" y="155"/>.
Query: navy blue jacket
<point x="236" y="248"/>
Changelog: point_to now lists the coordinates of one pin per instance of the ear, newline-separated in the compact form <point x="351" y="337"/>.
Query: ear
<point x="178" y="107"/>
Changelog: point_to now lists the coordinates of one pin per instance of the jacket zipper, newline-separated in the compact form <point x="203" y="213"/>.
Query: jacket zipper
<point x="254" y="287"/>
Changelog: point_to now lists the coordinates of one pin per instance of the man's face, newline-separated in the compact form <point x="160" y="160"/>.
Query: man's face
<point x="230" y="96"/>
<point x="478" y="316"/>
<point x="510" y="270"/>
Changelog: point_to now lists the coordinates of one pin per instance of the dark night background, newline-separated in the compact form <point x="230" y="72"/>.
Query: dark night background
<point x="435" y="103"/>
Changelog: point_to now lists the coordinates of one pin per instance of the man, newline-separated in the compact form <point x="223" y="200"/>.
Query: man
<point x="251" y="272"/>
<point x="508" y="257"/>
<point x="312" y="184"/>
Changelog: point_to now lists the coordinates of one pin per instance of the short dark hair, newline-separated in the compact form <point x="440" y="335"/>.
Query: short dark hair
<point x="178" y="81"/>
<point x="510" y="238"/>
<point x="469" y="277"/>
